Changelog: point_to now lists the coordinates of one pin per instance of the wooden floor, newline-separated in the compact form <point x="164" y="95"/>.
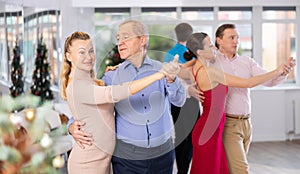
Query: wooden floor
<point x="275" y="157"/>
<point x="282" y="157"/>
<point x="269" y="158"/>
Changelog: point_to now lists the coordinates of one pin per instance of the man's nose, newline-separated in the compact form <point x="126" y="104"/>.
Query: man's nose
<point x="120" y="42"/>
<point x="237" y="41"/>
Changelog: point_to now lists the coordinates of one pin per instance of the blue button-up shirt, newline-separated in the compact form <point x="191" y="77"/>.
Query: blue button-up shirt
<point x="144" y="119"/>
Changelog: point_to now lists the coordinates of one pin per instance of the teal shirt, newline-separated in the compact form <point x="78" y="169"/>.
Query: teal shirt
<point x="177" y="49"/>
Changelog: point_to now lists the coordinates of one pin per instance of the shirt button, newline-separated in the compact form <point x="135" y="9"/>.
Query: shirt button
<point x="143" y="95"/>
<point x="150" y="134"/>
<point x="148" y="121"/>
<point x="145" y="107"/>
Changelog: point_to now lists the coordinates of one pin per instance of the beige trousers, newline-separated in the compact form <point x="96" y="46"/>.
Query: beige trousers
<point x="237" y="136"/>
<point x="90" y="160"/>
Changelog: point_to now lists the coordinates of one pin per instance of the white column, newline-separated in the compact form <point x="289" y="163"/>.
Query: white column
<point x="136" y="12"/>
<point x="257" y="34"/>
<point x="297" y="71"/>
<point x="75" y="19"/>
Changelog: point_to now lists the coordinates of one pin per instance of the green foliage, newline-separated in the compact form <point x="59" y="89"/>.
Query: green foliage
<point x="21" y="149"/>
<point x="160" y="41"/>
<point x="111" y="59"/>
<point x="9" y="154"/>
<point x="41" y="74"/>
<point x="158" y="46"/>
<point x="16" y="74"/>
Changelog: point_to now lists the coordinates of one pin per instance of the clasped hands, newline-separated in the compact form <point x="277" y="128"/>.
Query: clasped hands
<point x="171" y="69"/>
<point x="287" y="67"/>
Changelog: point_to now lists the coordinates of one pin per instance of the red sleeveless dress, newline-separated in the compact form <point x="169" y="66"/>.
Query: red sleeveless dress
<point x="209" y="156"/>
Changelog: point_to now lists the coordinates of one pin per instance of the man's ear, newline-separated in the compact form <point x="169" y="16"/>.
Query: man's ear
<point x="199" y="52"/>
<point x="143" y="40"/>
<point x="218" y="40"/>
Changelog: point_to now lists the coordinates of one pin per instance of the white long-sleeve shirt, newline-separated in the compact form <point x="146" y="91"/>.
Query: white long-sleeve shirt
<point x="238" y="100"/>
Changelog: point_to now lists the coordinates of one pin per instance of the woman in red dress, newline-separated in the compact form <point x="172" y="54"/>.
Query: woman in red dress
<point x="209" y="156"/>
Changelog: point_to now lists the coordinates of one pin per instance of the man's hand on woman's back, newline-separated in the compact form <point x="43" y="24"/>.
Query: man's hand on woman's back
<point x="80" y="137"/>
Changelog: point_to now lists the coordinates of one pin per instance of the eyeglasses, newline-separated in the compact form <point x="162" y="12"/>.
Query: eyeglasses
<point x="125" y="37"/>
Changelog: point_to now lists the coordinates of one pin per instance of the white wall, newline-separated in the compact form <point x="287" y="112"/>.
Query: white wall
<point x="273" y="113"/>
<point x="268" y="113"/>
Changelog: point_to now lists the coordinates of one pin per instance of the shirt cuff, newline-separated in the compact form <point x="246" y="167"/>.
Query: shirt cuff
<point x="71" y="120"/>
<point x="175" y="85"/>
<point x="186" y="88"/>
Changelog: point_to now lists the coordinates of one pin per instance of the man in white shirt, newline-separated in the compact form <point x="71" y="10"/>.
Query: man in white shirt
<point x="238" y="129"/>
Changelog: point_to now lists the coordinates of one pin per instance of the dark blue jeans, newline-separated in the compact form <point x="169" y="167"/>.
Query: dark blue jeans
<point x="158" y="164"/>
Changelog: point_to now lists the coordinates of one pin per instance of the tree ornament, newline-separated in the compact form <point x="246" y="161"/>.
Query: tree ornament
<point x="15" y="119"/>
<point x="111" y="59"/>
<point x="46" y="141"/>
<point x="58" y="162"/>
<point x="30" y="114"/>
<point x="26" y="150"/>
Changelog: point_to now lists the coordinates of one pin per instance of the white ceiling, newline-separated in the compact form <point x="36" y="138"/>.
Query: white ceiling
<point x="150" y="3"/>
<point x="180" y="3"/>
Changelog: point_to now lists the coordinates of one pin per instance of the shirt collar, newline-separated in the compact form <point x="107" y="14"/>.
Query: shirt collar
<point x="220" y="54"/>
<point x="146" y="61"/>
<point x="180" y="45"/>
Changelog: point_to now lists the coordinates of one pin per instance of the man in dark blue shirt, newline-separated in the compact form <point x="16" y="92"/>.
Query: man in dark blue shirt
<point x="184" y="118"/>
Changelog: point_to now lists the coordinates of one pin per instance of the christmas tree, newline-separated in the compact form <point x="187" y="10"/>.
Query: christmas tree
<point x="16" y="74"/>
<point x="112" y="58"/>
<point x="27" y="150"/>
<point x="41" y="74"/>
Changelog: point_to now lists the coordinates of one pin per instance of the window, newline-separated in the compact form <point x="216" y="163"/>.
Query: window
<point x="279" y="13"/>
<point x="245" y="47"/>
<point x="161" y="39"/>
<point x="3" y="55"/>
<point x="106" y="23"/>
<point x="208" y="29"/>
<point x="197" y="13"/>
<point x="275" y="27"/>
<point x="1" y="18"/>
<point x="158" y="14"/>
<point x="111" y="14"/>
<point x="10" y="34"/>
<point x="42" y="24"/>
<point x="241" y="17"/>
<point x="235" y="13"/>
<point x="279" y="37"/>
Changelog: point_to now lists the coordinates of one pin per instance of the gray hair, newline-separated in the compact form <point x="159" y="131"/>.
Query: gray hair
<point x="138" y="28"/>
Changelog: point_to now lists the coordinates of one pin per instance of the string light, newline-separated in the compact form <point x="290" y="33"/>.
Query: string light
<point x="30" y="114"/>
<point x="16" y="120"/>
<point x="58" y="162"/>
<point x="46" y="141"/>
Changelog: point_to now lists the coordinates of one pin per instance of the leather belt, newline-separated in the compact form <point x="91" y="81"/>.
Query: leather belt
<point x="239" y="117"/>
